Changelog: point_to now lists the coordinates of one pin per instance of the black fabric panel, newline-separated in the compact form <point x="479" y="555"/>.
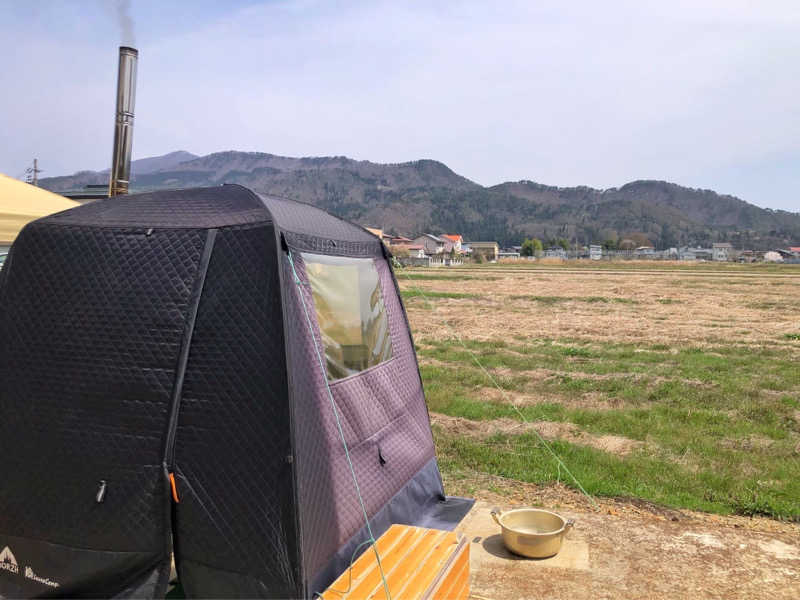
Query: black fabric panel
<point x="215" y="583"/>
<point x="90" y="327"/>
<point x="219" y="206"/>
<point x="186" y="343"/>
<point x="236" y="510"/>
<point x="305" y="219"/>
<point x="47" y="570"/>
<point x="321" y="245"/>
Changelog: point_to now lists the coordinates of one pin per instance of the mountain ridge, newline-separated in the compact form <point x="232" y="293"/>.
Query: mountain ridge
<point x="426" y="195"/>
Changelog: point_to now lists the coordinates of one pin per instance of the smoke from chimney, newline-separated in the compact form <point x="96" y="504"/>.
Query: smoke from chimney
<point x="126" y="29"/>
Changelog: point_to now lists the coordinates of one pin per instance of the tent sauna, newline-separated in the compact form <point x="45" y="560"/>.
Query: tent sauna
<point x="180" y="371"/>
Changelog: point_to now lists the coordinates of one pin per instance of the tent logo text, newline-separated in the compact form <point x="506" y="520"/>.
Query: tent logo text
<point x="31" y="575"/>
<point x="7" y="561"/>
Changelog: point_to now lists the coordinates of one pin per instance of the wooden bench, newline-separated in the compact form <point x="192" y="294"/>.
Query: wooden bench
<point x="418" y="563"/>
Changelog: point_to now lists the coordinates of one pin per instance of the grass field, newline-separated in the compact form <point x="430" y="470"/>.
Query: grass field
<point x="676" y="385"/>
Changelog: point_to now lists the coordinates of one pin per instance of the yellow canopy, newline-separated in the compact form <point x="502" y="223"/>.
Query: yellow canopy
<point x="21" y="203"/>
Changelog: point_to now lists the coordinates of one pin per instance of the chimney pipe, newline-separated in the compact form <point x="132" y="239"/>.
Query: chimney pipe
<point x="123" y="126"/>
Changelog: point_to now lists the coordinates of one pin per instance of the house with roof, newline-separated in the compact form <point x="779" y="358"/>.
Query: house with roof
<point x="645" y="252"/>
<point x="721" y="251"/>
<point x="413" y="250"/>
<point x="511" y="253"/>
<point x="399" y="240"/>
<point x="432" y="244"/>
<point x="489" y="250"/>
<point x="790" y="255"/>
<point x="455" y="241"/>
<point x="555" y="252"/>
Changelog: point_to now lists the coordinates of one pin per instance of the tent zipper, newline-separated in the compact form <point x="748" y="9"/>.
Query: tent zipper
<point x="183" y="356"/>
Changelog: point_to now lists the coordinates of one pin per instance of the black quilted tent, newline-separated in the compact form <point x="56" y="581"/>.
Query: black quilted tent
<point x="252" y="350"/>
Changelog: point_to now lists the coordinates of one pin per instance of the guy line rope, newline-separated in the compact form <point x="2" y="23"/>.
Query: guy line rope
<point x="371" y="540"/>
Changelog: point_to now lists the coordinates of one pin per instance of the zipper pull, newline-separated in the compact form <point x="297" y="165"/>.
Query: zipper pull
<point x="174" y="488"/>
<point x="101" y="491"/>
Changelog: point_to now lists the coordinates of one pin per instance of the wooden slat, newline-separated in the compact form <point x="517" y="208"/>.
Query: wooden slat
<point x="455" y="576"/>
<point x="416" y="562"/>
<point x="373" y="582"/>
<point x="430" y="567"/>
<point x="408" y="565"/>
<point x="463" y="592"/>
<point x="460" y="582"/>
<point x="395" y="537"/>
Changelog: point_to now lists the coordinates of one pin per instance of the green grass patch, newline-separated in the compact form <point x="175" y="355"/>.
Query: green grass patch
<point x="792" y="336"/>
<point x="718" y="423"/>
<point x="523" y="458"/>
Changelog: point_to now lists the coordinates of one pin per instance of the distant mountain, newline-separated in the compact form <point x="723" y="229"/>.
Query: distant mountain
<point x="144" y="166"/>
<point x="425" y="195"/>
<point x="141" y="166"/>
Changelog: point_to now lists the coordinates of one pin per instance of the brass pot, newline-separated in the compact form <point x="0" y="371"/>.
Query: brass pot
<point x="532" y="532"/>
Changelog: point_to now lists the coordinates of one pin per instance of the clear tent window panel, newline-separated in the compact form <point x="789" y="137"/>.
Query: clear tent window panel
<point x="350" y="312"/>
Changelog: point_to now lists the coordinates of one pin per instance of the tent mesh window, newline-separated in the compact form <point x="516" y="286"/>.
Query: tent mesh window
<point x="350" y="313"/>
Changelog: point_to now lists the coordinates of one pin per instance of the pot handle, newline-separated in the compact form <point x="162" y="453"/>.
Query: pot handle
<point x="569" y="525"/>
<point x="496" y="514"/>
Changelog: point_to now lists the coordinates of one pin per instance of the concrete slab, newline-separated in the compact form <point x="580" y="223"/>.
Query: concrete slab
<point x="627" y="556"/>
<point x="488" y="550"/>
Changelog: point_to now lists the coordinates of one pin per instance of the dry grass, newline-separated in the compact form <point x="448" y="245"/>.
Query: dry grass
<point x="549" y="430"/>
<point x="637" y="306"/>
<point x="673" y="385"/>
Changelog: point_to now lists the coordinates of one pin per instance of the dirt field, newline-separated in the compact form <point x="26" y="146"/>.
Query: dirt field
<point x="672" y="395"/>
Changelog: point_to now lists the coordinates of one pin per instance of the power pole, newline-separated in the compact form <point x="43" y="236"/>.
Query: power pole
<point x="33" y="173"/>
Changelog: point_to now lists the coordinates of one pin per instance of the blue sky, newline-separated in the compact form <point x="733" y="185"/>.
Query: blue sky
<point x="705" y="94"/>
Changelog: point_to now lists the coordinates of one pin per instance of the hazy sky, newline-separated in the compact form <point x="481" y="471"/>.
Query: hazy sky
<point x="705" y="94"/>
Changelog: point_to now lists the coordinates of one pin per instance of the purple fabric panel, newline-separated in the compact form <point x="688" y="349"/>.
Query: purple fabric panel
<point x="319" y="458"/>
<point x="382" y="411"/>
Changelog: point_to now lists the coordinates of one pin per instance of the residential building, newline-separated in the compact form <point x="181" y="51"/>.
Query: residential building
<point x="431" y="243"/>
<point x="414" y="261"/>
<point x="773" y="256"/>
<point x="489" y="250"/>
<point x="455" y="239"/>
<point x="721" y="251"/>
<point x="399" y="240"/>
<point x="595" y="252"/>
<point x="414" y="250"/>
<point x="746" y="256"/>
<point x="555" y="252"/>
<point x="702" y="253"/>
